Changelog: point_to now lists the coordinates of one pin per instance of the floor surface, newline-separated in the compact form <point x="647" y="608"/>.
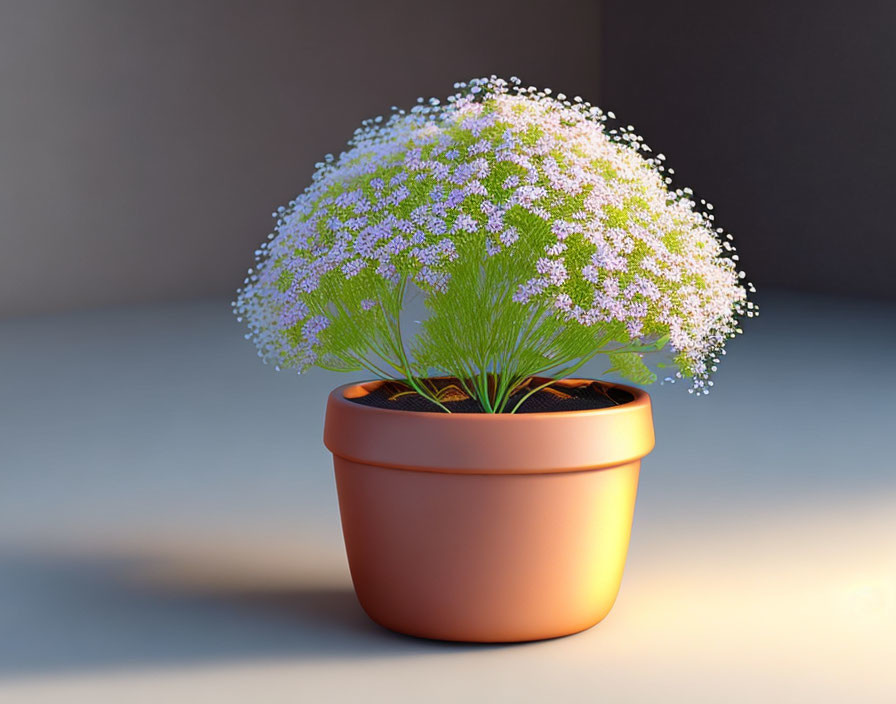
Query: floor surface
<point x="169" y="529"/>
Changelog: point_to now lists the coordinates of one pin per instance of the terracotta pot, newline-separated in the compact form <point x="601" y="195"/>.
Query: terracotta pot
<point x="482" y="527"/>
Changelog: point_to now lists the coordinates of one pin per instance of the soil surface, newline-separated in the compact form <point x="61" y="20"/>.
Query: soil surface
<point x="399" y="397"/>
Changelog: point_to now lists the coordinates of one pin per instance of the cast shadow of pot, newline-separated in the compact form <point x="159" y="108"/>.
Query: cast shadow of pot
<point x="72" y="614"/>
<point x="337" y="625"/>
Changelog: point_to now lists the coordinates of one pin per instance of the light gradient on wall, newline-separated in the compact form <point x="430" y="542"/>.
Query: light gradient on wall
<point x="143" y="146"/>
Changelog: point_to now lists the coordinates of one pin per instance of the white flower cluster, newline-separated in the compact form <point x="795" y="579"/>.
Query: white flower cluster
<point x="501" y="165"/>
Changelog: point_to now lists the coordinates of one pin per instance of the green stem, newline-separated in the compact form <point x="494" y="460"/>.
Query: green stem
<point x="403" y="358"/>
<point x="563" y="374"/>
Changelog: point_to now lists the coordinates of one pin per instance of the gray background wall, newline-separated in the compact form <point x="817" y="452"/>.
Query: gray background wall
<point x="144" y="145"/>
<point x="783" y="114"/>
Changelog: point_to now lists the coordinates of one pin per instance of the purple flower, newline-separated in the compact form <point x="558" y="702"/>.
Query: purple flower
<point x="352" y="268"/>
<point x="553" y="270"/>
<point x="511" y="181"/>
<point x="455" y="198"/>
<point x="313" y="327"/>
<point x="464" y="223"/>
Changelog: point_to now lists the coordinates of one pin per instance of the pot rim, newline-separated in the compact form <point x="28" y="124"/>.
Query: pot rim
<point x="488" y="443"/>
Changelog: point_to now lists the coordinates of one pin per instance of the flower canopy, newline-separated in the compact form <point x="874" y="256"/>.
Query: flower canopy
<point x="538" y="235"/>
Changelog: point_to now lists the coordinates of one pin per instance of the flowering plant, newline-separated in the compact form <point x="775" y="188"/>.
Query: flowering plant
<point x="538" y="236"/>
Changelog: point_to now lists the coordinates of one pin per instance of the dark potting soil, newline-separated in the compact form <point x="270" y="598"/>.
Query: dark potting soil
<point x="398" y="397"/>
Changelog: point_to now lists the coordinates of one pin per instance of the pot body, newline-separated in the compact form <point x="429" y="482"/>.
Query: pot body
<point x="486" y="528"/>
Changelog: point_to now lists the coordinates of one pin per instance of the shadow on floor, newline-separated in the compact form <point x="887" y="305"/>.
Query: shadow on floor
<point x="64" y="614"/>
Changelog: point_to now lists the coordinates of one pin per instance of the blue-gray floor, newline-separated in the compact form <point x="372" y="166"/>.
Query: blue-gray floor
<point x="168" y="524"/>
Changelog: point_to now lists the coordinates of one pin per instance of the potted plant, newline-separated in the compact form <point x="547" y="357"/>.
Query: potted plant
<point x="486" y="493"/>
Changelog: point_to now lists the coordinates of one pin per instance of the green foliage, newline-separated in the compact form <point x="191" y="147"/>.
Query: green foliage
<point x="630" y="365"/>
<point x="538" y="240"/>
<point x="475" y="331"/>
